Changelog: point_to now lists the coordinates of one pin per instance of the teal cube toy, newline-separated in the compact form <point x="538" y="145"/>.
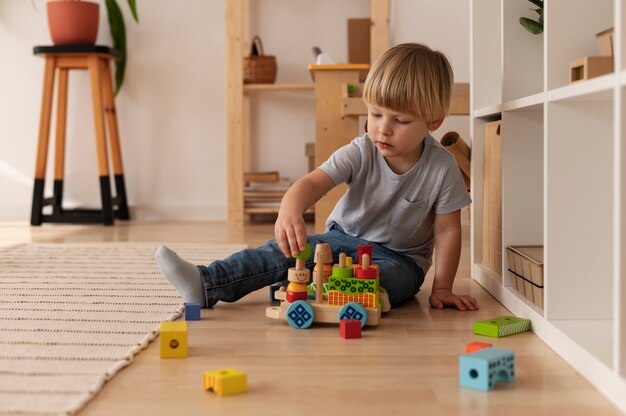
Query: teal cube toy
<point x="481" y="370"/>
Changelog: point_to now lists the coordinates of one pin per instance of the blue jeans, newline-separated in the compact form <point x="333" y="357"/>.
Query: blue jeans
<point x="248" y="270"/>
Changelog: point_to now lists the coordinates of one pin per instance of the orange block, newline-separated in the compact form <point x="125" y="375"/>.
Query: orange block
<point x="475" y="346"/>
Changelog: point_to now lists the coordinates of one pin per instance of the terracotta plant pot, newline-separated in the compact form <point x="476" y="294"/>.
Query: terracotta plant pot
<point x="73" y="22"/>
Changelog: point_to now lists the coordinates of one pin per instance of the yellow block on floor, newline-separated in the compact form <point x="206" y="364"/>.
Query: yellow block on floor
<point x="225" y="381"/>
<point x="174" y="339"/>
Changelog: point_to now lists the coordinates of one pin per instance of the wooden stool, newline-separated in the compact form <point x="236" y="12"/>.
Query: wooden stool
<point x="95" y="59"/>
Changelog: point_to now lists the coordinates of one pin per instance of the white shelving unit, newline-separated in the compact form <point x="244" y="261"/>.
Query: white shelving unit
<point x="563" y="174"/>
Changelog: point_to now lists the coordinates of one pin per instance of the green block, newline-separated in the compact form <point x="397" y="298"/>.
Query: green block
<point x="352" y="286"/>
<point x="501" y="326"/>
<point x="304" y="254"/>
<point x="312" y="288"/>
<point x="343" y="272"/>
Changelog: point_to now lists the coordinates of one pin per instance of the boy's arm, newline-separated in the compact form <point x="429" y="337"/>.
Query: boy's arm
<point x="290" y="229"/>
<point x="447" y="254"/>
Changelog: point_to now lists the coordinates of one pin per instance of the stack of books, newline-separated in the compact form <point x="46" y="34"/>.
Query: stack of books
<point x="263" y="192"/>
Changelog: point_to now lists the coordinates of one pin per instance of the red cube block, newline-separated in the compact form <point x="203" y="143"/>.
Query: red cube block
<point x="475" y="346"/>
<point x="350" y="328"/>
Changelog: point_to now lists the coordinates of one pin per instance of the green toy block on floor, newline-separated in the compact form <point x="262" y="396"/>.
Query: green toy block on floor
<point x="501" y="326"/>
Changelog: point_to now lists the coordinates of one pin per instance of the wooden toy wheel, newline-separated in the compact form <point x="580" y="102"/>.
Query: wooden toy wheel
<point x="300" y="314"/>
<point x="353" y="310"/>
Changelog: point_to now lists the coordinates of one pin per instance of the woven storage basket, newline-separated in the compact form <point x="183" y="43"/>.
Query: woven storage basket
<point x="259" y="69"/>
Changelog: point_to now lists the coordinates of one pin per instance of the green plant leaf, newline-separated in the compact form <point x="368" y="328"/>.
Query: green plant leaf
<point x="118" y="34"/>
<point x="532" y="26"/>
<point x="132" y="5"/>
<point x="538" y="3"/>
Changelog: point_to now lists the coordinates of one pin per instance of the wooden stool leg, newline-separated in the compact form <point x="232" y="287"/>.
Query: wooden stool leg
<point x="59" y="150"/>
<point x="116" y="151"/>
<point x="42" y="147"/>
<point x="95" y="71"/>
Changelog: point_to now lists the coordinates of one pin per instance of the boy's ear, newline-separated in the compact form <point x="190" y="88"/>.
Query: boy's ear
<point x="434" y="125"/>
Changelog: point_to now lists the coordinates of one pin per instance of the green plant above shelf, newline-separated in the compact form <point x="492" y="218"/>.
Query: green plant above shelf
<point x="534" y="26"/>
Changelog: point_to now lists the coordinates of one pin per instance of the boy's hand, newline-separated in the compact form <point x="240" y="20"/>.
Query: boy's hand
<point x="290" y="232"/>
<point x="441" y="298"/>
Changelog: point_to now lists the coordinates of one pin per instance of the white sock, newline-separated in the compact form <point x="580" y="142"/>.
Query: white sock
<point x="185" y="276"/>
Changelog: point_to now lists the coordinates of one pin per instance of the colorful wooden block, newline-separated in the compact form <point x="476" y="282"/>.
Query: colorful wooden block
<point x="364" y="249"/>
<point x="192" y="311"/>
<point x="369" y="300"/>
<point x="350" y="328"/>
<point x="501" y="326"/>
<point x="352" y="285"/>
<point x="481" y="370"/>
<point x="225" y="381"/>
<point x="174" y="339"/>
<point x="475" y="346"/>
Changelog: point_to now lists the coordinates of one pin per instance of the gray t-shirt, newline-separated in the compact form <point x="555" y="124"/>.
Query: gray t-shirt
<point x="397" y="211"/>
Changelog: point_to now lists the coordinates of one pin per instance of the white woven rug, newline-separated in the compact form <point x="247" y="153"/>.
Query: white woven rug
<point x="73" y="315"/>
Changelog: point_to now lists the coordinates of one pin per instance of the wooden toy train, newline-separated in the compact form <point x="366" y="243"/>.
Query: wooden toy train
<point x="352" y="290"/>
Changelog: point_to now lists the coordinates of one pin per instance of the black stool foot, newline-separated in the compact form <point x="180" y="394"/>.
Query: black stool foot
<point x="35" y="215"/>
<point x="122" y="206"/>
<point x="107" y="201"/>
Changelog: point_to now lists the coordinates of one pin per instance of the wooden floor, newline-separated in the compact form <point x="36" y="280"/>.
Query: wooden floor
<point x="407" y="365"/>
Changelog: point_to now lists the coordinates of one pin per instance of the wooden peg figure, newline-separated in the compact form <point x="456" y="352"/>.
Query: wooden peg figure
<point x="298" y="277"/>
<point x="366" y="271"/>
<point x="323" y="259"/>
<point x="319" y="258"/>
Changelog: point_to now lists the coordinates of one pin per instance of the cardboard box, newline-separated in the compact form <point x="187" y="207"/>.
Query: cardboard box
<point x="526" y="265"/>
<point x="605" y="42"/>
<point x="359" y="41"/>
<point x="589" y="67"/>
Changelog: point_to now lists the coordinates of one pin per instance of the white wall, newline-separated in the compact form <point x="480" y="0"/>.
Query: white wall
<point x="171" y="109"/>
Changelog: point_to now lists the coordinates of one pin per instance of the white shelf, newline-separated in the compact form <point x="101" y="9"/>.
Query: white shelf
<point x="594" y="89"/>
<point x="594" y="335"/>
<point x="563" y="175"/>
<point x="530" y="103"/>
<point x="488" y="111"/>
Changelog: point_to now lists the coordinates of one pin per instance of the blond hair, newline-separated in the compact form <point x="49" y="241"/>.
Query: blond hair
<point x="411" y="78"/>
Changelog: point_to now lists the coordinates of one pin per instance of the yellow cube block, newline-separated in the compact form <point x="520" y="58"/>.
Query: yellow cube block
<point x="174" y="339"/>
<point x="225" y="381"/>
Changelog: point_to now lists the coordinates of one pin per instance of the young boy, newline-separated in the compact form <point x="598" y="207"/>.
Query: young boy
<point x="404" y="197"/>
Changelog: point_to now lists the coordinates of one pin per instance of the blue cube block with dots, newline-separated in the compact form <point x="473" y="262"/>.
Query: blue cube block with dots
<point x="192" y="311"/>
<point x="481" y="370"/>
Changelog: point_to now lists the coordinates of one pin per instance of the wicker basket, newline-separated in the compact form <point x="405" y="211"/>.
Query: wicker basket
<point x="259" y="69"/>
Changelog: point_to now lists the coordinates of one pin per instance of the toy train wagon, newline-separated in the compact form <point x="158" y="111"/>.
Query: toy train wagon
<point x="342" y="291"/>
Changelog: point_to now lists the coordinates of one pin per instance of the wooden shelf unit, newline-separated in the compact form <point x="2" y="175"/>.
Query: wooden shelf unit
<point x="238" y="93"/>
<point x="250" y="88"/>
<point x="563" y="175"/>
